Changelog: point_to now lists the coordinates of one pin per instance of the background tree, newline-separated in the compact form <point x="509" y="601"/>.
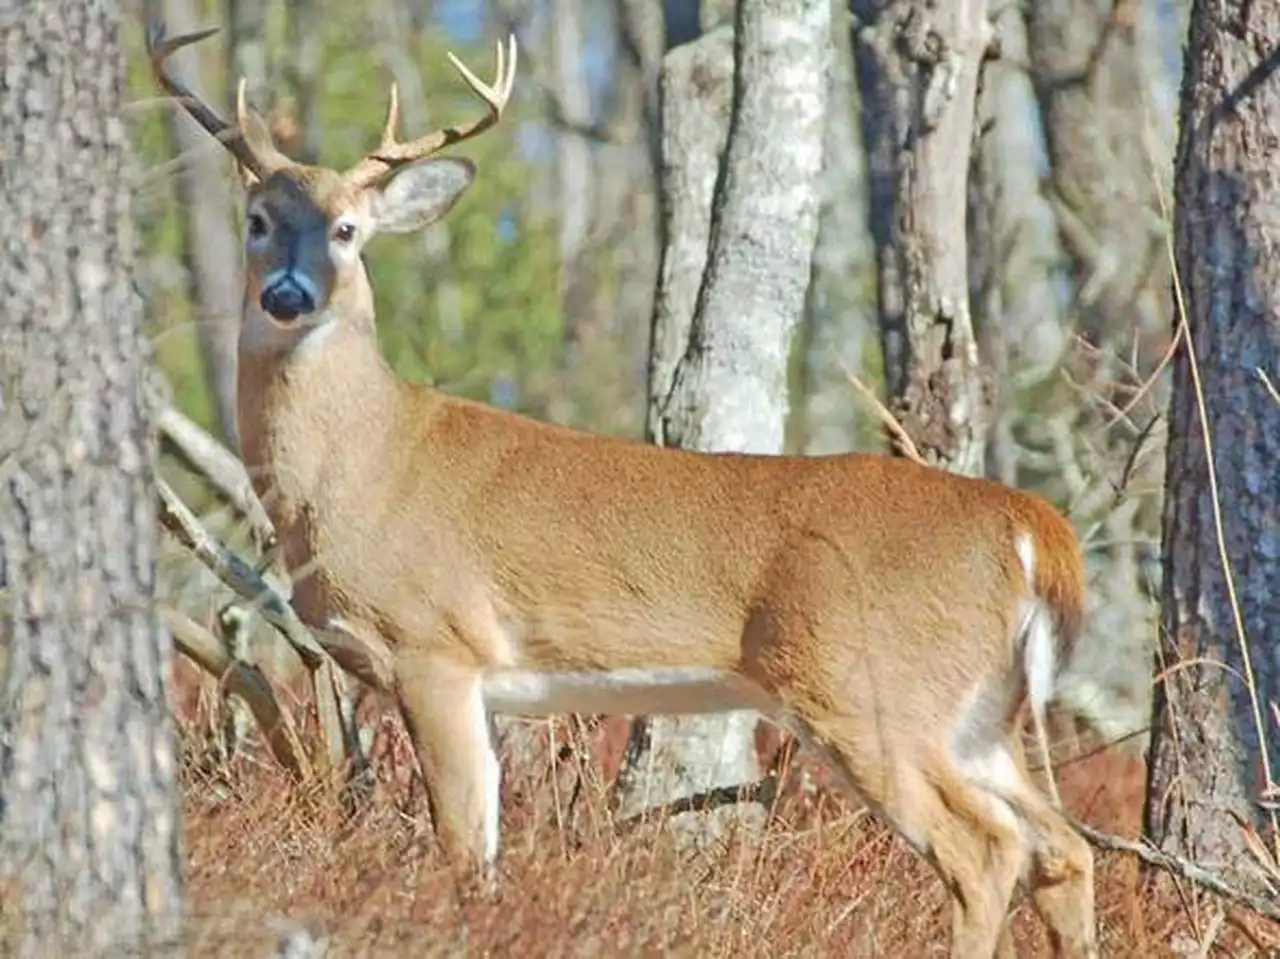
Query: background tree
<point x="88" y="805"/>
<point x="1105" y="77"/>
<point x="1215" y="748"/>
<point x="918" y="68"/>
<point x="740" y="221"/>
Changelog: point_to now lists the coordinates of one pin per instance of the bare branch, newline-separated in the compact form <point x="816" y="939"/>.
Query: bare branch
<point x="237" y="575"/>
<point x="246" y="681"/>
<point x="1178" y="866"/>
<point x="221" y="468"/>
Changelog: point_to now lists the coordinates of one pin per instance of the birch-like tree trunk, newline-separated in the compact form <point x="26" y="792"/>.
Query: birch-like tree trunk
<point x="89" y="831"/>
<point x="839" y="317"/>
<point x="918" y="67"/>
<point x="1212" y="720"/>
<point x="738" y="237"/>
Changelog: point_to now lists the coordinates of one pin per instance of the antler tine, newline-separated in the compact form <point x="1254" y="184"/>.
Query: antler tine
<point x="391" y="155"/>
<point x="159" y="49"/>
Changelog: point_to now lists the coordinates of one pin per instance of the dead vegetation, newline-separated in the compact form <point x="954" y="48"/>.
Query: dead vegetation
<point x="268" y="861"/>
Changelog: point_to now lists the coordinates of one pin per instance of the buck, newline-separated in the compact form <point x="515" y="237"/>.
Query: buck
<point x="900" y="620"/>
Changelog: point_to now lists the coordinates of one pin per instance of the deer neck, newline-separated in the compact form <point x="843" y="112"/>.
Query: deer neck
<point x="312" y="399"/>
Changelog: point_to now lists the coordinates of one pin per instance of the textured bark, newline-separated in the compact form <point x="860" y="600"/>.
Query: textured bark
<point x="1107" y="102"/>
<point x="918" y="67"/>
<point x="730" y="389"/>
<point x="696" y="100"/>
<point x="212" y="245"/>
<point x="1096" y="70"/>
<point x="89" y="856"/>
<point x="1207" y="760"/>
<point x="738" y="242"/>
<point x="838" y="316"/>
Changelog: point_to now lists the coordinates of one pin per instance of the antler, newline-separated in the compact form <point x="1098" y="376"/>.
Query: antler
<point x="248" y="141"/>
<point x="391" y="155"/>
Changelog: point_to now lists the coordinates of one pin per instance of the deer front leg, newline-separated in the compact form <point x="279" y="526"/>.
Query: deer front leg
<point x="444" y="711"/>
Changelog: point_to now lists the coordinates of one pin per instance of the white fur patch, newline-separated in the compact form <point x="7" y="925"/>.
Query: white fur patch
<point x="490" y="774"/>
<point x="670" y="690"/>
<point x="1026" y="549"/>
<point x="1039" y="655"/>
<point x="319" y="330"/>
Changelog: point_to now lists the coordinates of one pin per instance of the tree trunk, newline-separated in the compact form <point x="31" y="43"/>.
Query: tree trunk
<point x="918" y="70"/>
<point x="837" y="321"/>
<point x="212" y="247"/>
<point x="1107" y="100"/>
<point x="1208" y="760"/>
<point x="89" y="853"/>
<point x="738" y="244"/>
<point x="1015" y="259"/>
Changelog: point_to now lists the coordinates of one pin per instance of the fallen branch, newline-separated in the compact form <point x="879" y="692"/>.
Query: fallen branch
<point x="237" y="575"/>
<point x="246" y="681"/>
<point x="1178" y="866"/>
<point x="243" y="579"/>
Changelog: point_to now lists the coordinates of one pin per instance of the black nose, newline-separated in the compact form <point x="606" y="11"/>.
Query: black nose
<point x="286" y="300"/>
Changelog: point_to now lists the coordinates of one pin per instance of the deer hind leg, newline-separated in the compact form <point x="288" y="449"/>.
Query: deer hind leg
<point x="444" y="711"/>
<point x="971" y="839"/>
<point x="1061" y="875"/>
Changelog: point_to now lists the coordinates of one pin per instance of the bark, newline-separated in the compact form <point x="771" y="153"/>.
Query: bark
<point x="738" y="243"/>
<point x="1106" y="99"/>
<point x="1207" y="761"/>
<point x="836" y="327"/>
<point x="697" y="96"/>
<point x="730" y="388"/>
<point x="89" y="851"/>
<point x="1097" y="73"/>
<point x="918" y="69"/>
<point x="211" y="251"/>
<point x="1015" y="258"/>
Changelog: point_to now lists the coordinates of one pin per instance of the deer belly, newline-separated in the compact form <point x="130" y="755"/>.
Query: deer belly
<point x="666" y="690"/>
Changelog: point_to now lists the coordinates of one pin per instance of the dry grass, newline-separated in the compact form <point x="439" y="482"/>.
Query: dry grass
<point x="263" y="859"/>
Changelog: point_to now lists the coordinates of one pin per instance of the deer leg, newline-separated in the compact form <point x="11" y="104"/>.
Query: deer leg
<point x="1061" y="876"/>
<point x="971" y="839"/>
<point x="444" y="711"/>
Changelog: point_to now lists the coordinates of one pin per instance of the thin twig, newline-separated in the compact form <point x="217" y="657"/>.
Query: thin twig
<point x="1271" y="387"/>
<point x="907" y="444"/>
<point x="1182" y="867"/>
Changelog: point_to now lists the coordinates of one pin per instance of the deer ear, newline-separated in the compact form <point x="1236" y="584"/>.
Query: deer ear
<point x="421" y="194"/>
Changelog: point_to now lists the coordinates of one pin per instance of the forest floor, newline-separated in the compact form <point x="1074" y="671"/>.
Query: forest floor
<point x="265" y="860"/>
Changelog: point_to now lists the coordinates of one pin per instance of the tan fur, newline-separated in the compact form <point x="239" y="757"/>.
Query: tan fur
<point x="872" y="605"/>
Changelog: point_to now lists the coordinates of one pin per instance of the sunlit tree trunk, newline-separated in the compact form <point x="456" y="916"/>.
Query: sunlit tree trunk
<point x="89" y="854"/>
<point x="1212" y="719"/>
<point x="839" y="318"/>
<point x="739" y="222"/>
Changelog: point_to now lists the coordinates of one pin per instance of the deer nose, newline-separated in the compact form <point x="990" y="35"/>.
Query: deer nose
<point x="286" y="299"/>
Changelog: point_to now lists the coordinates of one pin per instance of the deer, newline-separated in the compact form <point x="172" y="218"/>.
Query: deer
<point x="901" y="621"/>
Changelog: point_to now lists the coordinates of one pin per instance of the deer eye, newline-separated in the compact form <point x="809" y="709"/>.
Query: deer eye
<point x="257" y="225"/>
<point x="344" y="232"/>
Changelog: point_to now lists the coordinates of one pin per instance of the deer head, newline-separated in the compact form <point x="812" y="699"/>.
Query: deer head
<point x="305" y="226"/>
